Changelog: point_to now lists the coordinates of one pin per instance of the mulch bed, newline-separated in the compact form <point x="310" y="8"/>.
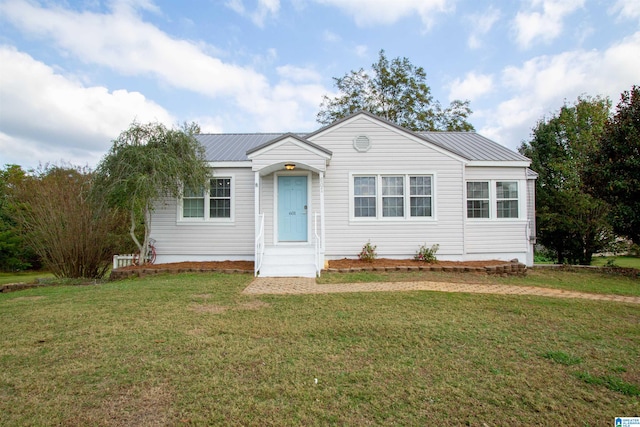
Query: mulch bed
<point x="342" y="265"/>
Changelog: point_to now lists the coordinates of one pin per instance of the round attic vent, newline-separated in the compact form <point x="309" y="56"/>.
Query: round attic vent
<point x="362" y="143"/>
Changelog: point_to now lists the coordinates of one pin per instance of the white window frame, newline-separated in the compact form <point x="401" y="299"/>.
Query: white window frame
<point x="212" y="197"/>
<point x="207" y="219"/>
<point x="406" y="176"/>
<point x="510" y="199"/>
<point x="493" y="200"/>
<point x="467" y="199"/>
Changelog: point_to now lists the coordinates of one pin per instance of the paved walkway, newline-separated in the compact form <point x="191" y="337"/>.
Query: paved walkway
<point x="298" y="285"/>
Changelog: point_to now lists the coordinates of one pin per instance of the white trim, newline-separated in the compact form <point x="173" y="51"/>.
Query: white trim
<point x="406" y="196"/>
<point x="493" y="201"/>
<point x="308" y="174"/>
<point x="294" y="141"/>
<point x="206" y="220"/>
<point x="499" y="163"/>
<point x="231" y="164"/>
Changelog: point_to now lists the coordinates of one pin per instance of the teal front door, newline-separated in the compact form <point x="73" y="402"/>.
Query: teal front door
<point x="292" y="208"/>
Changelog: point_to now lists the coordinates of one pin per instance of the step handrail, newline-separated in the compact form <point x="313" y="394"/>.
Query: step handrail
<point x="259" y="246"/>
<point x="317" y="242"/>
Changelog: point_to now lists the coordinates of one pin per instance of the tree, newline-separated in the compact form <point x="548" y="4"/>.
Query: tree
<point x="145" y="163"/>
<point x="614" y="170"/>
<point x="73" y="236"/>
<point x="397" y="91"/>
<point x="570" y="221"/>
<point x="14" y="252"/>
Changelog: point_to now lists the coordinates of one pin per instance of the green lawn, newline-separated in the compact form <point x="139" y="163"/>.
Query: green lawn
<point x="580" y="280"/>
<point x="192" y="350"/>
<point x="23" y="276"/>
<point x="620" y="261"/>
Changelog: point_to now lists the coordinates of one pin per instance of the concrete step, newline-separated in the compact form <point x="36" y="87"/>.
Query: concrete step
<point x="288" y="261"/>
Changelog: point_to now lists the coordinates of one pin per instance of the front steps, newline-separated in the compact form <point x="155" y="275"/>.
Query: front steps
<point x="288" y="261"/>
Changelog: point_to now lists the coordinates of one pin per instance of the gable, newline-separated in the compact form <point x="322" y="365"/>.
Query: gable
<point x="288" y="139"/>
<point x="380" y="133"/>
<point x="289" y="149"/>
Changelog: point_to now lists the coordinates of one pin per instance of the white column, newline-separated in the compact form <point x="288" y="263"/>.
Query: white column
<point x="256" y="202"/>
<point x="322" y="213"/>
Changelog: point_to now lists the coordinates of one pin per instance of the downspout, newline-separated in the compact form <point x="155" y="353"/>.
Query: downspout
<point x="464" y="210"/>
<point x="322" y="219"/>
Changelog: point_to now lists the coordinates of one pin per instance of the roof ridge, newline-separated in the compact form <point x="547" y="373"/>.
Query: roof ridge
<point x="253" y="133"/>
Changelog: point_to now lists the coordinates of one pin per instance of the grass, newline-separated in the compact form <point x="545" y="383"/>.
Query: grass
<point x="581" y="281"/>
<point x="23" y="276"/>
<point x="618" y="261"/>
<point x="193" y="350"/>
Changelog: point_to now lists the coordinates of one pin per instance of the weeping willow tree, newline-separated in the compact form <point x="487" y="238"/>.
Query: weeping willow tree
<point x="146" y="163"/>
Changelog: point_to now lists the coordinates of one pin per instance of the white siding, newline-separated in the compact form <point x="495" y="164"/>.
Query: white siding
<point x="290" y="153"/>
<point x="503" y="237"/>
<point x="479" y="173"/>
<point x="391" y="152"/>
<point x="184" y="241"/>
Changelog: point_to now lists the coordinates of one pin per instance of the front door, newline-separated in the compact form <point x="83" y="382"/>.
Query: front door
<point x="292" y="208"/>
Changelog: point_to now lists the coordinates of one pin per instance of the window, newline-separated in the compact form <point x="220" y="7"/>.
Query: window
<point x="507" y="199"/>
<point x="364" y="191"/>
<point x="193" y="203"/>
<point x="400" y="196"/>
<point x="477" y="200"/>
<point x="220" y="199"/>
<point x="492" y="199"/>
<point x="392" y="196"/>
<point x="420" y="195"/>
<point x="211" y="203"/>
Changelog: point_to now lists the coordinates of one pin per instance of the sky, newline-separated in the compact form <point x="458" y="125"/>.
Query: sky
<point x="74" y="74"/>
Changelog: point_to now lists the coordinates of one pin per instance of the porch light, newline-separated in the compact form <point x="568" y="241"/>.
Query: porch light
<point x="289" y="166"/>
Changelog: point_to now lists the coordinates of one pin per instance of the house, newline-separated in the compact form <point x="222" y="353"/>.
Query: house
<point x="291" y="202"/>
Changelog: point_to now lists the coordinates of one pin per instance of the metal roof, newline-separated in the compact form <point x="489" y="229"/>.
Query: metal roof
<point x="472" y="146"/>
<point x="232" y="147"/>
<point x="468" y="145"/>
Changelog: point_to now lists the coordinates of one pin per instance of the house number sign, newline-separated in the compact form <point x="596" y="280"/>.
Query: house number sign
<point x="292" y="212"/>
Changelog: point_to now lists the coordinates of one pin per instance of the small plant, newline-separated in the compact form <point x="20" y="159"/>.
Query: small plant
<point x="426" y="254"/>
<point x="368" y="253"/>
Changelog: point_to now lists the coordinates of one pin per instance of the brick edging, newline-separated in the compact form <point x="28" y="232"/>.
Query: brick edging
<point x="507" y="269"/>
<point x="120" y="274"/>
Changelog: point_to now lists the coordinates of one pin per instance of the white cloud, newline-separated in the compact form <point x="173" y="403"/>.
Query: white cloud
<point x="330" y="37"/>
<point x="629" y="9"/>
<point x="59" y="116"/>
<point x="472" y="87"/>
<point x="265" y="8"/>
<point x="361" y="51"/>
<point x="541" y="85"/>
<point x="481" y="24"/>
<point x="298" y="74"/>
<point x="543" y="20"/>
<point x="384" y="12"/>
<point x="123" y="42"/>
